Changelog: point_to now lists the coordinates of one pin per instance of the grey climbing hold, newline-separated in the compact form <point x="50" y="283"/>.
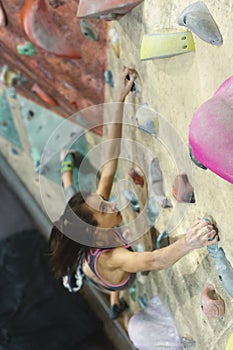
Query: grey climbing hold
<point x="142" y="301"/>
<point x="194" y="159"/>
<point x="152" y="210"/>
<point x="188" y="344"/>
<point x="156" y="182"/>
<point x="147" y="119"/>
<point x="109" y="78"/>
<point x="154" y="328"/>
<point x="88" y="31"/>
<point x="198" y="19"/>
<point x="224" y="271"/>
<point x="213" y="249"/>
<point x="131" y="197"/>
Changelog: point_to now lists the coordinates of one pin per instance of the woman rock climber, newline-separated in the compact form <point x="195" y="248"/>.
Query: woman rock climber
<point x="111" y="267"/>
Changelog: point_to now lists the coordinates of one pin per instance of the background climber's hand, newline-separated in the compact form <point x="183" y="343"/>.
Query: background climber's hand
<point x="201" y="234"/>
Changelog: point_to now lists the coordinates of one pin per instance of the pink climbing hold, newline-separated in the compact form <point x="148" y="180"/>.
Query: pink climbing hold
<point x="211" y="303"/>
<point x="137" y="176"/>
<point x="39" y="26"/>
<point x="211" y="132"/>
<point x="106" y="9"/>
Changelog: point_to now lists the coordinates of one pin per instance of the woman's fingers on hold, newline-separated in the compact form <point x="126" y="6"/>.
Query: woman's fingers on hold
<point x="212" y="241"/>
<point x="196" y="222"/>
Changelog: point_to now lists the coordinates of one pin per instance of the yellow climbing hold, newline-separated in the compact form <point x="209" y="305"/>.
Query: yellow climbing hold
<point x="166" y="44"/>
<point x="230" y="343"/>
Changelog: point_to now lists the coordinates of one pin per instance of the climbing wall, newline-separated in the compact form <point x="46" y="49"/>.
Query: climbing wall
<point x="171" y="89"/>
<point x="174" y="87"/>
<point x="41" y="45"/>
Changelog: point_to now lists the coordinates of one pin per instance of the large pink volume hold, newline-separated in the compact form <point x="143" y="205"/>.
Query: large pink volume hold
<point x="211" y="132"/>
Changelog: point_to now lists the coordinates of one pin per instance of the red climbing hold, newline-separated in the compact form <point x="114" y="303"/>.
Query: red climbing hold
<point x="43" y="95"/>
<point x="137" y="176"/>
<point x="105" y="9"/>
<point x="211" y="303"/>
<point x="183" y="190"/>
<point x="40" y="28"/>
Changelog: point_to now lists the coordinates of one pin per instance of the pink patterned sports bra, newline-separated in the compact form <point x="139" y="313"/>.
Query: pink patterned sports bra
<point x="92" y="262"/>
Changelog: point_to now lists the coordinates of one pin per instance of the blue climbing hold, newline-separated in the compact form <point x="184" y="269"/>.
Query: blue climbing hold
<point x="224" y="271"/>
<point x="131" y="197"/>
<point x="109" y="78"/>
<point x="152" y="210"/>
<point x="161" y="237"/>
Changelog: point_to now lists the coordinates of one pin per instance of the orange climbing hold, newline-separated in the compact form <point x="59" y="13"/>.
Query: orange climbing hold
<point x="43" y="95"/>
<point x="105" y="9"/>
<point x="41" y="30"/>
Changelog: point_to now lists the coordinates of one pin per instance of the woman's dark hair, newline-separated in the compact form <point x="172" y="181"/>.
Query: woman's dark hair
<point x="65" y="254"/>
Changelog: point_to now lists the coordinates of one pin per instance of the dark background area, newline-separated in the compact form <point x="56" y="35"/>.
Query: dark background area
<point x="36" y="311"/>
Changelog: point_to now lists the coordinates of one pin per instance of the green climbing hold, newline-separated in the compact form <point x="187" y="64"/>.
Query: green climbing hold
<point x="230" y="343"/>
<point x="132" y="292"/>
<point x="88" y="31"/>
<point x="27" y="49"/>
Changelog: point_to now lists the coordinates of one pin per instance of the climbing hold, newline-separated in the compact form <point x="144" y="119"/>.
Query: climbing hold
<point x="137" y="176"/>
<point x="194" y="159"/>
<point x="211" y="132"/>
<point x="147" y="119"/>
<point x="30" y="115"/>
<point x="3" y="20"/>
<point x="142" y="301"/>
<point x="39" y="26"/>
<point x="198" y="19"/>
<point x="156" y="183"/>
<point x="56" y="3"/>
<point x="131" y="197"/>
<point x="109" y="78"/>
<point x="11" y="78"/>
<point x="162" y="240"/>
<point x="27" y="49"/>
<point x="14" y="151"/>
<point x="166" y="44"/>
<point x="106" y="10"/>
<point x="133" y="88"/>
<point x="132" y="292"/>
<point x="43" y="95"/>
<point x="114" y="41"/>
<point x="188" y="343"/>
<point x="230" y="342"/>
<point x="88" y="31"/>
<point x="152" y="210"/>
<point x="211" y="303"/>
<point x="183" y="190"/>
<point x="153" y="328"/>
<point x="224" y="271"/>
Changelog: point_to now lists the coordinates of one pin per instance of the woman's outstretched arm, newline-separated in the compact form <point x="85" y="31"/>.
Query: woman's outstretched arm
<point x="114" y="134"/>
<point x="198" y="236"/>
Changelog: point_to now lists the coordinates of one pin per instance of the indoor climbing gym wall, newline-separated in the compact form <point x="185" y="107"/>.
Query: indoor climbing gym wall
<point x="183" y="116"/>
<point x="177" y="147"/>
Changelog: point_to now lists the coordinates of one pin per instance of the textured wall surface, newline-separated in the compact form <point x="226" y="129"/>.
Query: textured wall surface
<point x="174" y="87"/>
<point x="74" y="83"/>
